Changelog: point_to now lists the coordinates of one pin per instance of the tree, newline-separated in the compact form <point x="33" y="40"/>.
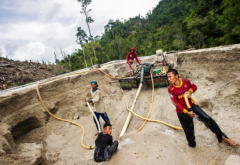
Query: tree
<point x="56" y="60"/>
<point x="76" y="60"/>
<point x="229" y="21"/>
<point x="118" y="45"/>
<point x="171" y="25"/>
<point x="66" y="57"/>
<point x="81" y="39"/>
<point x="88" y="19"/>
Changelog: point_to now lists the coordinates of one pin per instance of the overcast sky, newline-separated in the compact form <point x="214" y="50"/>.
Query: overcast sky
<point x="34" y="29"/>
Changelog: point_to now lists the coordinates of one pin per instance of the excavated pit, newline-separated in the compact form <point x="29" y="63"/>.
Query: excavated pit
<point x="24" y="127"/>
<point x="28" y="135"/>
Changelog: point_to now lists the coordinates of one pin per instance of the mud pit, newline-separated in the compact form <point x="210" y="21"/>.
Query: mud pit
<point x="28" y="135"/>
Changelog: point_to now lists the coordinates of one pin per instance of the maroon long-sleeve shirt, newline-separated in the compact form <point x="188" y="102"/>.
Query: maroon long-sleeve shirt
<point x="177" y="94"/>
<point x="131" y="56"/>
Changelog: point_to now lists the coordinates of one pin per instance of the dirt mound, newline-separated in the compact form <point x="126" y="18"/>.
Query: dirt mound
<point x="29" y="136"/>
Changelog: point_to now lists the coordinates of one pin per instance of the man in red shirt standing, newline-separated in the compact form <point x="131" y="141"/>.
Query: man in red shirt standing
<point x="176" y="90"/>
<point x="130" y="58"/>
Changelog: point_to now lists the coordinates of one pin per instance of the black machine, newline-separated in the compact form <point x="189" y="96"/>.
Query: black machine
<point x="159" y="73"/>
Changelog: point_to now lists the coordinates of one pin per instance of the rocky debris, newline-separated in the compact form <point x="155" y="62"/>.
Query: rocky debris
<point x="15" y="73"/>
<point x="7" y="65"/>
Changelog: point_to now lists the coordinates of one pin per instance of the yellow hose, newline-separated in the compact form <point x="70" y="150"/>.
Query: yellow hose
<point x="187" y="102"/>
<point x="150" y="111"/>
<point x="83" y="131"/>
<point x="152" y="120"/>
<point x="44" y="106"/>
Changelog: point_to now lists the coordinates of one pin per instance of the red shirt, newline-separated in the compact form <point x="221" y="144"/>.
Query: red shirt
<point x="177" y="92"/>
<point x="131" y="56"/>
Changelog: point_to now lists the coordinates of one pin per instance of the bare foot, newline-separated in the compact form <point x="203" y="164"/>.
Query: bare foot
<point x="229" y="141"/>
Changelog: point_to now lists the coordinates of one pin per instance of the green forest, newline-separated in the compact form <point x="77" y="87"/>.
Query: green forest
<point x="171" y="25"/>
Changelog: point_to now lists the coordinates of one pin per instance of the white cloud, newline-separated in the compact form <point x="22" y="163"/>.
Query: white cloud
<point x="2" y="52"/>
<point x="36" y="48"/>
<point x="35" y="29"/>
<point x="21" y="30"/>
<point x="10" y="48"/>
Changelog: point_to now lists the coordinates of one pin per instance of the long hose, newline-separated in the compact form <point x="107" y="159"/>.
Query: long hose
<point x="152" y="120"/>
<point x="83" y="131"/>
<point x="74" y="123"/>
<point x="158" y="121"/>
<point x="58" y="118"/>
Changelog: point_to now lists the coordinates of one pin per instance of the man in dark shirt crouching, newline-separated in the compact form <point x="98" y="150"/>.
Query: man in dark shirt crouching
<point x="105" y="146"/>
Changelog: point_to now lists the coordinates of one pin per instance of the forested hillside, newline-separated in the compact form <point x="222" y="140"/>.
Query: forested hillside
<point x="171" y="25"/>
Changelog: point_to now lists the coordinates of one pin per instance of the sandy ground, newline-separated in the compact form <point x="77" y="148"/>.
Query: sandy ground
<point x="29" y="136"/>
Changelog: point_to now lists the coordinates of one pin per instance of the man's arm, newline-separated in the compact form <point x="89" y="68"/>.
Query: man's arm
<point x="96" y="98"/>
<point x="137" y="58"/>
<point x="110" y="140"/>
<point x="192" y="89"/>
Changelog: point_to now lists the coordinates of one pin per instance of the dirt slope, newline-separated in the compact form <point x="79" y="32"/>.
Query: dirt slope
<point x="29" y="136"/>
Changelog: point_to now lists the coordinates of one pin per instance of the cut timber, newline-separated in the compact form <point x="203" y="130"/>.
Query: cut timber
<point x="132" y="108"/>
<point x="7" y="65"/>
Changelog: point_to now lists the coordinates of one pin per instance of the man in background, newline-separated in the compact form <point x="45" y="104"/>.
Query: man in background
<point x="130" y="58"/>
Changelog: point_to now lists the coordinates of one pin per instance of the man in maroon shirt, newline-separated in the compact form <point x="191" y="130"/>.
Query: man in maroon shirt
<point x="176" y="90"/>
<point x="130" y="58"/>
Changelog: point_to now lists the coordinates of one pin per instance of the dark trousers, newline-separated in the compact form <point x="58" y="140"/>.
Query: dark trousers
<point x="187" y="124"/>
<point x="108" y="152"/>
<point x="188" y="127"/>
<point x="104" y="117"/>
